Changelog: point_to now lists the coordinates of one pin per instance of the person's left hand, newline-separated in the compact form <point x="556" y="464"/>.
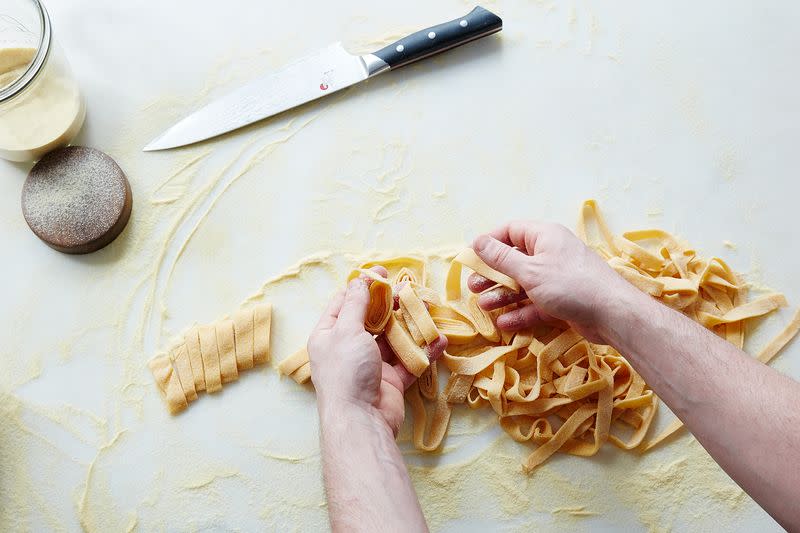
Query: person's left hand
<point x="350" y="369"/>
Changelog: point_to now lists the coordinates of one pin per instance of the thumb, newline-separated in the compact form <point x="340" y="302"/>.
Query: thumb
<point x="500" y="256"/>
<point x="354" y="307"/>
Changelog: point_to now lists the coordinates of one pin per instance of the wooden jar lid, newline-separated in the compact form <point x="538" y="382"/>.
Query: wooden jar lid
<point x="76" y="199"/>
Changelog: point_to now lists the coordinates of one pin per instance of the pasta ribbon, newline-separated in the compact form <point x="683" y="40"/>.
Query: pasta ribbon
<point x="471" y="260"/>
<point x="549" y="387"/>
<point x="405" y="268"/>
<point x="413" y="357"/>
<point x="380" y="300"/>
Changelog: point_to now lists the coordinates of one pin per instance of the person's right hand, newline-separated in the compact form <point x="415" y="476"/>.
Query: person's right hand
<point x="563" y="278"/>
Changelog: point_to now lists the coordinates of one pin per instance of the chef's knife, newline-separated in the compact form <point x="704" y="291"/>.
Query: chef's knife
<point x="320" y="74"/>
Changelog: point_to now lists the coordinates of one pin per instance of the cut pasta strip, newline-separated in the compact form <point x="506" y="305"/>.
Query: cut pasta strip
<point x="210" y="353"/>
<point x="195" y="359"/>
<point x="302" y="374"/>
<point x="438" y="423"/>
<point x="161" y="368"/>
<point x="429" y="382"/>
<point x="758" y="307"/>
<point x="413" y="357"/>
<point x="418" y="313"/>
<point x="168" y="383"/>
<point x="262" y="319"/>
<point x="297" y="366"/>
<point x="243" y="327"/>
<point x="671" y="429"/>
<point x="471" y="260"/>
<point x="565" y="432"/>
<point x="457" y="388"/>
<point x="180" y="361"/>
<point x="405" y="268"/>
<point x="226" y="347"/>
<point x="293" y="362"/>
<point x="777" y="344"/>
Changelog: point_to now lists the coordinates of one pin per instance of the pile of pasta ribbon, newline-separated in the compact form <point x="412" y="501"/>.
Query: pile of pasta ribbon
<point x="549" y="387"/>
<point x="211" y="355"/>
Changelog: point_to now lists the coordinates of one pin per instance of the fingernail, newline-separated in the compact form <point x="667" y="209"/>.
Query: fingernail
<point x="356" y="283"/>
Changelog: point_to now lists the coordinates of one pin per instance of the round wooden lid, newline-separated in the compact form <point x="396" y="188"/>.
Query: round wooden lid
<point x="76" y="199"/>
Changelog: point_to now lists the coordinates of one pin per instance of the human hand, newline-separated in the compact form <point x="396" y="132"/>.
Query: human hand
<point x="564" y="279"/>
<point x="351" y="369"/>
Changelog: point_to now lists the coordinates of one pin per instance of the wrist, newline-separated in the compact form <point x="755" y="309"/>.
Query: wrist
<point x="340" y="411"/>
<point x="621" y="313"/>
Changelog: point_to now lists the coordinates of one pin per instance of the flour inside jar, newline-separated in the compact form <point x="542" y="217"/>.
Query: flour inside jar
<point x="45" y="115"/>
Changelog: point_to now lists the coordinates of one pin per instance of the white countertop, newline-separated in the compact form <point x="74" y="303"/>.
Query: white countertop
<point x="677" y="115"/>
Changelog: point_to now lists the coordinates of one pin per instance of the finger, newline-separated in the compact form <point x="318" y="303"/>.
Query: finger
<point x="477" y="283"/>
<point x="393" y="377"/>
<point x="387" y="354"/>
<point x="396" y="294"/>
<point x="406" y="378"/>
<point x="499" y="297"/>
<point x="526" y="317"/>
<point x="434" y="351"/>
<point x="379" y="270"/>
<point x="520" y="233"/>
<point x="329" y="316"/>
<point x="500" y="256"/>
<point x="436" y="348"/>
<point x="354" y="307"/>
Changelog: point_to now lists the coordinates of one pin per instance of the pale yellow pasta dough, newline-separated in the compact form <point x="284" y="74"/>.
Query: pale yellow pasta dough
<point x="413" y="357"/>
<point x="414" y="307"/>
<point x="180" y="361"/>
<point x="548" y="378"/>
<point x="262" y="318"/>
<point x="168" y="383"/>
<point x="211" y="356"/>
<point x="210" y="353"/>
<point x="296" y="366"/>
<point x="380" y="299"/>
<point x="302" y="374"/>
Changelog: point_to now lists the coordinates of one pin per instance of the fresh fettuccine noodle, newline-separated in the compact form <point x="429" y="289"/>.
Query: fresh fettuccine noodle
<point x="380" y="300"/>
<point x="549" y="387"/>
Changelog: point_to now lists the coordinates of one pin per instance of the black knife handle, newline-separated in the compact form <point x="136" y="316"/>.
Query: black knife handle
<point x="478" y="23"/>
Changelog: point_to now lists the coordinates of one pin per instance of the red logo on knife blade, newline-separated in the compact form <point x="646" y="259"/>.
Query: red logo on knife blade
<point x="323" y="86"/>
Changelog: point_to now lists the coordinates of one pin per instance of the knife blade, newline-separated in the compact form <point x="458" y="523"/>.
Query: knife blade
<point x="320" y="74"/>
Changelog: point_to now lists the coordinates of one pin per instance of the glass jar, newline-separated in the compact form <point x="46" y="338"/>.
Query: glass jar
<point x="41" y="106"/>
